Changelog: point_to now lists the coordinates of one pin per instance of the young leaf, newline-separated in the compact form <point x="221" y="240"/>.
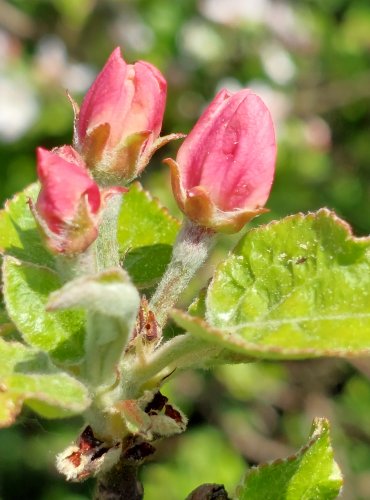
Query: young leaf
<point x="113" y="303"/>
<point x="19" y="236"/>
<point x="26" y="290"/>
<point x="292" y="289"/>
<point x="28" y="376"/>
<point x="146" y="233"/>
<point x="311" y="474"/>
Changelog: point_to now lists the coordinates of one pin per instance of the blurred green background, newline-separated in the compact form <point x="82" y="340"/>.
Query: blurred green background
<point x="310" y="61"/>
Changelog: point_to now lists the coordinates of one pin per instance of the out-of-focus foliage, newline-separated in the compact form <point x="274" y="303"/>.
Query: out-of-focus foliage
<point x="310" y="61"/>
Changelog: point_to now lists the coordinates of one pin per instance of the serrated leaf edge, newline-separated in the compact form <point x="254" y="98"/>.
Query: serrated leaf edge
<point x="300" y="216"/>
<point x="320" y="426"/>
<point x="14" y="199"/>
<point x="156" y="201"/>
<point x="322" y="212"/>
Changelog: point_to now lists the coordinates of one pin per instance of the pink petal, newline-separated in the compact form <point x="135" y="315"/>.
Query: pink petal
<point x="64" y="184"/>
<point x="233" y="156"/>
<point x="108" y="99"/>
<point x="187" y="155"/>
<point x="148" y="104"/>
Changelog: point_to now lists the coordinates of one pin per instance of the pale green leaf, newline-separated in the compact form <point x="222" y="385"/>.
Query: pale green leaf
<point x="26" y="290"/>
<point x="27" y="376"/>
<point x="311" y="474"/>
<point x="113" y="303"/>
<point x="292" y="289"/>
<point x="146" y="233"/>
<point x="19" y="236"/>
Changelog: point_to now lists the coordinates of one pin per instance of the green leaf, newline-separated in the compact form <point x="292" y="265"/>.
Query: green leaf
<point x="26" y="290"/>
<point x="28" y="376"/>
<point x="6" y="326"/>
<point x="19" y="236"/>
<point x="28" y="276"/>
<point x="311" y="474"/>
<point x="113" y="303"/>
<point x="292" y="289"/>
<point x="146" y="233"/>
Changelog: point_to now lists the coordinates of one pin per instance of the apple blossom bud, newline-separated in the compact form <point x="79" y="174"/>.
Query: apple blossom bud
<point x="120" y="119"/>
<point x="224" y="169"/>
<point x="68" y="206"/>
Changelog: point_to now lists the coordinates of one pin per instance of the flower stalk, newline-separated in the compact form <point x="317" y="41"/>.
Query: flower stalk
<point x="175" y="354"/>
<point x="107" y="243"/>
<point x="190" y="251"/>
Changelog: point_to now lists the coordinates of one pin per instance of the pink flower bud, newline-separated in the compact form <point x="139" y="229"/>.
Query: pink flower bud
<point x="121" y="118"/>
<point x="224" y="169"/>
<point x="69" y="201"/>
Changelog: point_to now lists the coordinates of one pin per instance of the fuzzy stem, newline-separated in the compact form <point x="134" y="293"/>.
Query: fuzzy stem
<point x="177" y="353"/>
<point x="102" y="254"/>
<point x="71" y="267"/>
<point x="107" y="243"/>
<point x="120" y="483"/>
<point x="189" y="253"/>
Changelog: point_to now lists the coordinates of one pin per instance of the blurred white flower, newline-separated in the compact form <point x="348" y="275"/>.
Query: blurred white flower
<point x="317" y="133"/>
<point x="51" y="58"/>
<point x="278" y="16"/>
<point x="278" y="64"/>
<point x="78" y="77"/>
<point x="9" y="48"/>
<point x="283" y="20"/>
<point x="52" y="65"/>
<point x="132" y="33"/>
<point x="229" y="83"/>
<point x="234" y="11"/>
<point x="200" y="41"/>
<point x="18" y="108"/>
<point x="277" y="102"/>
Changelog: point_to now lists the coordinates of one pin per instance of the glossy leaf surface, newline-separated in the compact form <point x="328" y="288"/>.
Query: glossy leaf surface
<point x="292" y="289"/>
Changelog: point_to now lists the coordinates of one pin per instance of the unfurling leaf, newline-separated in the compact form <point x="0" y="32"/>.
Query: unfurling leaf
<point x="113" y="303"/>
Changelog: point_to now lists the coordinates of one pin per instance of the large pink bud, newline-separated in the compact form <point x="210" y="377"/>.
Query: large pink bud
<point x="120" y="119"/>
<point x="224" y="169"/>
<point x="68" y="206"/>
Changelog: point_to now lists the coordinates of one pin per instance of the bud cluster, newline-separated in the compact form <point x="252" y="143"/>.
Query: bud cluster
<point x="221" y="178"/>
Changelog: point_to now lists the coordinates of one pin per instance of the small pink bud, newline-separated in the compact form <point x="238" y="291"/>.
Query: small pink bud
<point x="121" y="118"/>
<point x="224" y="169"/>
<point x="68" y="205"/>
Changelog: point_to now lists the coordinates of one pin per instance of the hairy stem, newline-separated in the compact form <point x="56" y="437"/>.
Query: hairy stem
<point x="102" y="254"/>
<point x="120" y="483"/>
<point x="73" y="266"/>
<point x="178" y="353"/>
<point x="189" y="253"/>
<point x="107" y="243"/>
